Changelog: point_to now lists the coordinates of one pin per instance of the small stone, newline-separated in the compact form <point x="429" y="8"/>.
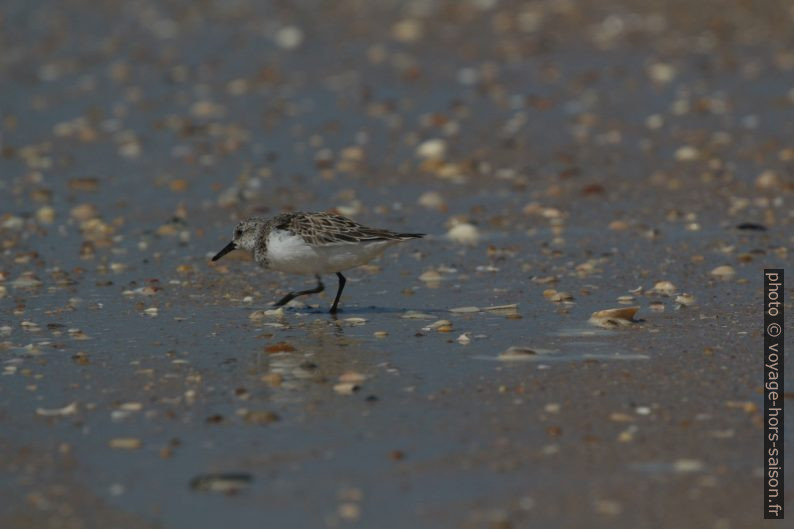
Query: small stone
<point x="464" y="339"/>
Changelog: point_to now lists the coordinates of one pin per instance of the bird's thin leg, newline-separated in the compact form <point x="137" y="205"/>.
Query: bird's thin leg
<point x="342" y="282"/>
<point x="292" y="295"/>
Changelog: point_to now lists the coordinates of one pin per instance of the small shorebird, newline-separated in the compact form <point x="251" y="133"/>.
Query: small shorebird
<point x="311" y="244"/>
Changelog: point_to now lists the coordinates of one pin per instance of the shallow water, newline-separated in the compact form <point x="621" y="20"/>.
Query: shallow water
<point x="597" y="149"/>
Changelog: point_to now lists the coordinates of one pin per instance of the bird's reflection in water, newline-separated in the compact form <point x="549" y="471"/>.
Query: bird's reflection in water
<point x="314" y="353"/>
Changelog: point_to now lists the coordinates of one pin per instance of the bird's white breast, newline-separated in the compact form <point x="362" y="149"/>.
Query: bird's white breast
<point x="289" y="253"/>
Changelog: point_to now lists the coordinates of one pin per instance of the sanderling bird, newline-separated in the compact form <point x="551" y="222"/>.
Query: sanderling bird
<point x="311" y="244"/>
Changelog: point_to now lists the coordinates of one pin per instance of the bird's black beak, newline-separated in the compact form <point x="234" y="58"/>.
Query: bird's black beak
<point x="226" y="249"/>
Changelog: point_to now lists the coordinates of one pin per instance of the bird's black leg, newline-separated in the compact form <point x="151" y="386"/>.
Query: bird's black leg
<point x="342" y="282"/>
<point x="292" y="295"/>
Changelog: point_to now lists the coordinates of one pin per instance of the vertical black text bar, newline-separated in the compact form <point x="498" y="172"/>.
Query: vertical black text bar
<point x="773" y="394"/>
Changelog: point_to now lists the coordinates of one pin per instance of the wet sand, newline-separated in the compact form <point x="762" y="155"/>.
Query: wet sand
<point x="564" y="158"/>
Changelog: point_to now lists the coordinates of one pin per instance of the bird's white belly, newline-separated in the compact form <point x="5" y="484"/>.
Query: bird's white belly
<point x="291" y="254"/>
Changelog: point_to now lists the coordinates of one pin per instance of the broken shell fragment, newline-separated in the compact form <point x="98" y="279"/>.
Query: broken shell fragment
<point x="464" y="310"/>
<point x="685" y="300"/>
<point x="724" y="272"/>
<point x="464" y="233"/>
<point x="69" y="409"/>
<point x="125" y="443"/>
<point x="513" y="353"/>
<point x="663" y="288"/>
<point x="433" y="149"/>
<point x="227" y="483"/>
<point x="439" y="326"/>
<point x="612" y="318"/>
<point x="559" y="297"/>
<point x="346" y="388"/>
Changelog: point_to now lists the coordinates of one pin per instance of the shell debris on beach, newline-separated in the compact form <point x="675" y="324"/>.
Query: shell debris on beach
<point x="575" y="342"/>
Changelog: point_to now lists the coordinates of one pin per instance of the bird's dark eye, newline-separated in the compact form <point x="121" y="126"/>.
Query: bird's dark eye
<point x="238" y="233"/>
